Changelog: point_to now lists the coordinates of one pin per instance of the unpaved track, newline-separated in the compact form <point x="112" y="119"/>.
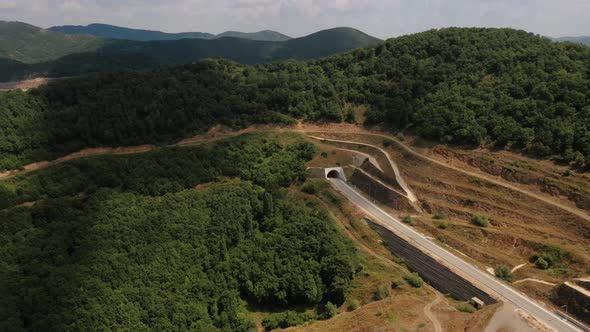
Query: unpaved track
<point x="490" y="179"/>
<point x="428" y="312"/>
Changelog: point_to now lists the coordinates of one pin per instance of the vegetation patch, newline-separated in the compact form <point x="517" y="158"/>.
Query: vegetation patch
<point x="414" y="280"/>
<point x="480" y="220"/>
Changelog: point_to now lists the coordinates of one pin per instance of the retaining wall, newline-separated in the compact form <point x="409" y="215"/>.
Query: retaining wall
<point x="436" y="274"/>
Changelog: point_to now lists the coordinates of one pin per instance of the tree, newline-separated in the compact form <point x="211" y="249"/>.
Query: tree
<point x="503" y="272"/>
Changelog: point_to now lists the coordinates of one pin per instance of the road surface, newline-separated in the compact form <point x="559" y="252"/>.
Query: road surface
<point x="398" y="176"/>
<point x="507" y="293"/>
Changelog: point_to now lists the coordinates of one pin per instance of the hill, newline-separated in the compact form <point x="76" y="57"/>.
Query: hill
<point x="29" y="44"/>
<point x="115" y="32"/>
<point x="581" y="39"/>
<point x="124" y="54"/>
<point x="144" y="250"/>
<point x="264" y="35"/>
<point x="456" y="86"/>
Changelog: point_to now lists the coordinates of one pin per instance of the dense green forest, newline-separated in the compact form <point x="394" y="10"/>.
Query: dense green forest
<point x="456" y="85"/>
<point x="110" y="55"/>
<point x="27" y="44"/>
<point x="132" y="249"/>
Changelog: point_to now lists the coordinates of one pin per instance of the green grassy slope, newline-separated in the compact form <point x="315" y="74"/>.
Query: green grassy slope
<point x="29" y="44"/>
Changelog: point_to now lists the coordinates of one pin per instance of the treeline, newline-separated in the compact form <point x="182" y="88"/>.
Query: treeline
<point x="255" y="157"/>
<point x="462" y="86"/>
<point x="122" y="256"/>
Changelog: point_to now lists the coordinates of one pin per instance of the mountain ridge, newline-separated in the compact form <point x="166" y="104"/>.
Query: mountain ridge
<point x="128" y="54"/>
<point x="117" y="32"/>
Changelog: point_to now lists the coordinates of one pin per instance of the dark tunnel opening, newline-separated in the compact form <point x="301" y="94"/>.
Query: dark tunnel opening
<point x="334" y="174"/>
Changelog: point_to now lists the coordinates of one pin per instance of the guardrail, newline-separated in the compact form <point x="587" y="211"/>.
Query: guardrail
<point x="573" y="321"/>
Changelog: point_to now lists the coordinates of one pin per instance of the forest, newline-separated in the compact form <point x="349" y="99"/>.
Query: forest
<point x="467" y="86"/>
<point x="123" y="254"/>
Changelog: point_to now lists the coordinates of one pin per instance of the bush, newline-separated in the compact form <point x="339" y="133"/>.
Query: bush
<point x="541" y="263"/>
<point x="286" y="319"/>
<point x="480" y="220"/>
<point x="548" y="256"/>
<point x="313" y="187"/>
<point x="408" y="220"/>
<point x="414" y="280"/>
<point x="382" y="292"/>
<point x="324" y="155"/>
<point x="354" y="304"/>
<point x="503" y="272"/>
<point x="440" y="215"/>
<point x="330" y="310"/>
<point x="466" y="307"/>
<point x="387" y="142"/>
<point x="397" y="283"/>
<point x="443" y="225"/>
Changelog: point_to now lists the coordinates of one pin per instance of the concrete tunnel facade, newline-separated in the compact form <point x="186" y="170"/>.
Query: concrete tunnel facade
<point x="334" y="173"/>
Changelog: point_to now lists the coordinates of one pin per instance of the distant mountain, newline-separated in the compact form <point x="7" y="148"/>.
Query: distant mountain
<point x="265" y="35"/>
<point x="126" y="54"/>
<point x="115" y="32"/>
<point x="29" y="44"/>
<point x="580" y="40"/>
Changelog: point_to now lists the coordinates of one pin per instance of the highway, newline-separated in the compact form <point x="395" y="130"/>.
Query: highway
<point x="472" y="273"/>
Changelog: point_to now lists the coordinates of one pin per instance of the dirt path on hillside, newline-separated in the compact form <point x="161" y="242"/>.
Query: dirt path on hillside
<point x="79" y="154"/>
<point x="490" y="179"/>
<point x="428" y="312"/>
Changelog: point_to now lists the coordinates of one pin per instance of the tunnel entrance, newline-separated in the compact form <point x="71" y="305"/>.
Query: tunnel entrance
<point x="334" y="174"/>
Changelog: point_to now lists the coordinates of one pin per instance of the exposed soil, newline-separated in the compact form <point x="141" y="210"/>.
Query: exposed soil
<point x="80" y="154"/>
<point x="25" y="84"/>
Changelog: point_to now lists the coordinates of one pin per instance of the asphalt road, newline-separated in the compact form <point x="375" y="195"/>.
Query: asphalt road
<point x="546" y="316"/>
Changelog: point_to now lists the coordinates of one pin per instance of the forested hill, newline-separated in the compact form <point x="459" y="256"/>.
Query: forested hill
<point x="115" y="32"/>
<point x="581" y="39"/>
<point x="127" y="54"/>
<point x="29" y="44"/>
<point x="456" y="85"/>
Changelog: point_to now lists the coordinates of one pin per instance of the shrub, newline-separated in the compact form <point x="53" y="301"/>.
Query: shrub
<point x="387" y="142"/>
<point x="548" y="256"/>
<point x="541" y="263"/>
<point x="286" y="319"/>
<point x="330" y="310"/>
<point x="408" y="220"/>
<point x="480" y="220"/>
<point x="324" y="155"/>
<point x="466" y="307"/>
<point x="398" y="282"/>
<point x="382" y="292"/>
<point x="354" y="304"/>
<point x="440" y="215"/>
<point x="503" y="272"/>
<point x="443" y="225"/>
<point x="414" y="280"/>
<point x="313" y="187"/>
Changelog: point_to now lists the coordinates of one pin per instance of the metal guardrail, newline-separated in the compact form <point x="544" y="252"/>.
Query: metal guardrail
<point x="573" y="321"/>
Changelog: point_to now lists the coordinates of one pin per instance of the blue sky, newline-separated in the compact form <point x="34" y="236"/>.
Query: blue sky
<point x="381" y="18"/>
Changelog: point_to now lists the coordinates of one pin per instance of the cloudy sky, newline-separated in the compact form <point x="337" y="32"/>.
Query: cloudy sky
<point x="381" y="18"/>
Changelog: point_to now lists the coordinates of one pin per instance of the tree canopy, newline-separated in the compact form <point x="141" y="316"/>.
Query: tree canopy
<point x="124" y="256"/>
<point x="456" y="85"/>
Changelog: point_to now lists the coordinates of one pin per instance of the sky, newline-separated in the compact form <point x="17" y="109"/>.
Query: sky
<point x="380" y="18"/>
